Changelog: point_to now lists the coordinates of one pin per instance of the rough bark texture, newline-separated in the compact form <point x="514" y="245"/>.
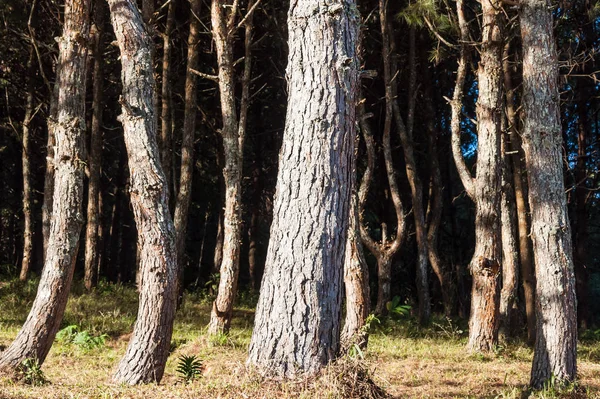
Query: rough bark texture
<point x="95" y="157"/>
<point x="35" y="338"/>
<point x="556" y="331"/>
<point x="27" y="189"/>
<point x="525" y="254"/>
<point x="187" y="142"/>
<point x="223" y="25"/>
<point x="356" y="276"/>
<point x="510" y="254"/>
<point x="148" y="349"/>
<point x="297" y="324"/>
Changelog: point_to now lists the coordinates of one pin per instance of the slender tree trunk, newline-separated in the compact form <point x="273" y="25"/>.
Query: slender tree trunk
<point x="434" y="211"/>
<point x="218" y="257"/>
<point x="581" y="231"/>
<point x="27" y="189"/>
<point x="555" y="353"/>
<point x="525" y="254"/>
<point x="254" y="225"/>
<point x="166" y="134"/>
<point x="510" y="254"/>
<point x="35" y="338"/>
<point x="356" y="275"/>
<point x="95" y="157"/>
<point x="416" y="187"/>
<point x="233" y="132"/>
<point x="298" y="315"/>
<point x="187" y="142"/>
<point x="148" y="349"/>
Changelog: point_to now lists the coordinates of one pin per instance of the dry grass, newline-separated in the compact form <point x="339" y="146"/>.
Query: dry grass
<point x="403" y="361"/>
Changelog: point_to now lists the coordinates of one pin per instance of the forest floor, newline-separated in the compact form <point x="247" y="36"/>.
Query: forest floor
<point x="403" y="359"/>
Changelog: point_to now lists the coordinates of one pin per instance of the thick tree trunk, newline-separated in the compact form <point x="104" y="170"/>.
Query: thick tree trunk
<point x="148" y="349"/>
<point x="485" y="264"/>
<point x="27" y="189"/>
<point x="95" y="157"/>
<point x="510" y="254"/>
<point x="297" y="322"/>
<point x="187" y="142"/>
<point x="525" y="254"/>
<point x="166" y="139"/>
<point x="35" y="338"/>
<point x="556" y="333"/>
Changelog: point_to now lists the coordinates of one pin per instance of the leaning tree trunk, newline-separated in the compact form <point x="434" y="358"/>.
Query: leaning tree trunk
<point x="297" y="322"/>
<point x="27" y="189"/>
<point x="95" y="157"/>
<point x="35" y="338"/>
<point x="555" y="353"/>
<point x="148" y="349"/>
<point x="184" y="195"/>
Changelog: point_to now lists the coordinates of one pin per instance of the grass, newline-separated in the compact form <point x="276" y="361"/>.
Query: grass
<point x="403" y="359"/>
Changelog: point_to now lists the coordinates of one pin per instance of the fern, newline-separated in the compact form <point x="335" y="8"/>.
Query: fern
<point x="189" y="368"/>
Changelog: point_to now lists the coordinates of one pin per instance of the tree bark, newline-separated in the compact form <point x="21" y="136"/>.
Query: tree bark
<point x="182" y="205"/>
<point x="297" y="322"/>
<point x="166" y="134"/>
<point x="510" y="254"/>
<point x="525" y="254"/>
<point x="35" y="338"/>
<point x="233" y="132"/>
<point x="95" y="156"/>
<point x="555" y="353"/>
<point x="27" y="189"/>
<point x="148" y="349"/>
<point x="356" y="275"/>
<point x="416" y="187"/>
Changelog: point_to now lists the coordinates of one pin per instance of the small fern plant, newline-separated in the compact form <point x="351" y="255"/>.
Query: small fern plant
<point x="32" y="372"/>
<point x="189" y="368"/>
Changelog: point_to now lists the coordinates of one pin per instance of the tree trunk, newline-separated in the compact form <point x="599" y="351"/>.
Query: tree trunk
<point x="525" y="255"/>
<point x="187" y="142"/>
<point x="434" y="210"/>
<point x="485" y="189"/>
<point x="166" y="134"/>
<point x="297" y="322"/>
<point x="254" y="225"/>
<point x="356" y="282"/>
<point x="510" y="254"/>
<point x="27" y="189"/>
<point x="416" y="187"/>
<point x="35" y="338"/>
<point x="233" y="132"/>
<point x="148" y="349"/>
<point x="581" y="231"/>
<point x="95" y="157"/>
<point x="556" y="331"/>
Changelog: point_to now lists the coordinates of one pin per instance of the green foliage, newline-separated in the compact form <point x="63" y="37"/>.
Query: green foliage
<point x="31" y="370"/>
<point x="396" y="309"/>
<point x="219" y="339"/>
<point x="449" y="329"/>
<point x="82" y="339"/>
<point x="213" y="283"/>
<point x="189" y="368"/>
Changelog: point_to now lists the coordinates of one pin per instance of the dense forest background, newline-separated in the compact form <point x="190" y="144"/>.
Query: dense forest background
<point x="27" y="71"/>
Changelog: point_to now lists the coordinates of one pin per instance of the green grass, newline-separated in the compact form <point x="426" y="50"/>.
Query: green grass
<point x="404" y="359"/>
